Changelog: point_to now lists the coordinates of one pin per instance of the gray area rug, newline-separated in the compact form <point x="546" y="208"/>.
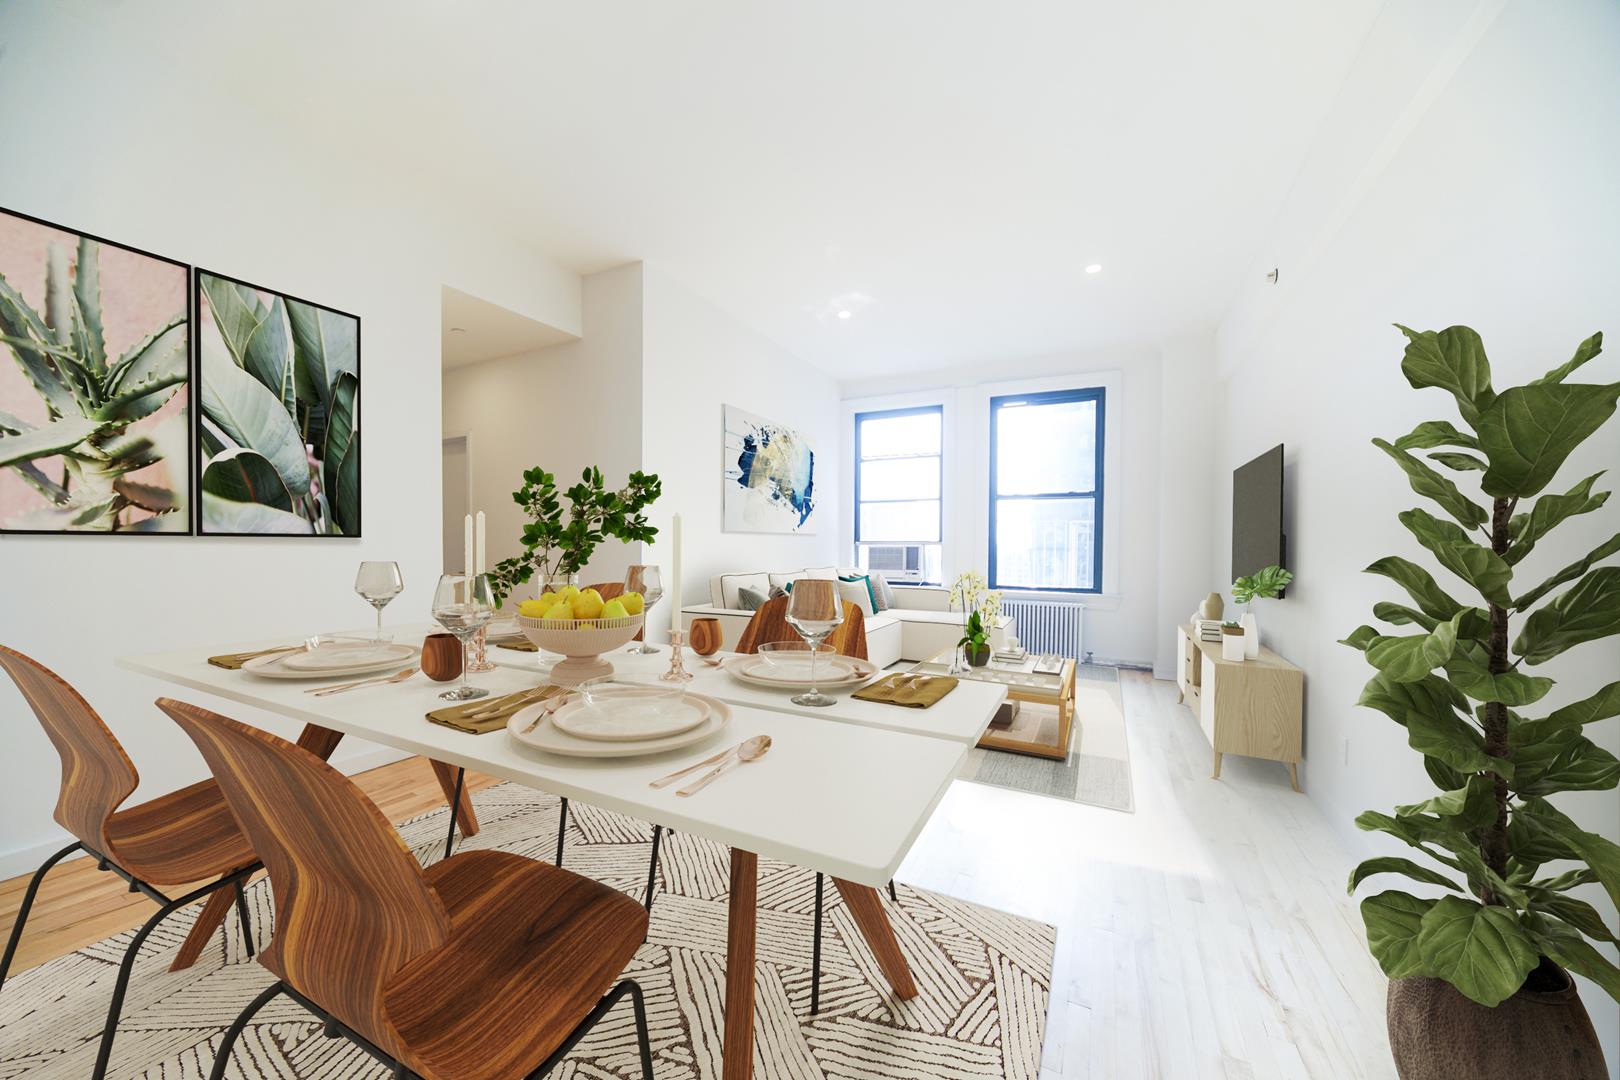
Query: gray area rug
<point x="1096" y="772"/>
<point x="984" y="978"/>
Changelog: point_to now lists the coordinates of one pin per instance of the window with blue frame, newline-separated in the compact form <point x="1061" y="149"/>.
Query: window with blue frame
<point x="899" y="497"/>
<point x="1046" y="491"/>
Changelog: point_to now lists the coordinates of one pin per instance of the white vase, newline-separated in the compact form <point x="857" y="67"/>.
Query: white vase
<point x="1251" y="636"/>
<point x="1232" y="646"/>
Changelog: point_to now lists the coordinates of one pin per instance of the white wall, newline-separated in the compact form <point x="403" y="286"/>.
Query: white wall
<point x="562" y="408"/>
<point x="1120" y="624"/>
<point x="1469" y="177"/>
<point x="159" y="165"/>
<point x="696" y="359"/>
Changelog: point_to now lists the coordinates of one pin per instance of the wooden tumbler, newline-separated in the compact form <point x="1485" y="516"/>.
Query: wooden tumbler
<point x="705" y="636"/>
<point x="441" y="657"/>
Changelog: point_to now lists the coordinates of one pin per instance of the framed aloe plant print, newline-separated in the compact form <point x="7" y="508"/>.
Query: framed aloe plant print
<point x="95" y="391"/>
<point x="278" y="433"/>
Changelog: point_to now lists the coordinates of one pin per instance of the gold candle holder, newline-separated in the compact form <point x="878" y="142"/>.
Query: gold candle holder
<point x="480" y="661"/>
<point x="677" y="671"/>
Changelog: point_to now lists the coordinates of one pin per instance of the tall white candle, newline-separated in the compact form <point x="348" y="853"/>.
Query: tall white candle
<point x="675" y="573"/>
<point x="467" y="545"/>
<point x="481" y="566"/>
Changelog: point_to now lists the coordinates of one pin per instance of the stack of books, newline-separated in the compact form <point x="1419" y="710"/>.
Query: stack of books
<point x="1009" y="656"/>
<point x="1207" y="629"/>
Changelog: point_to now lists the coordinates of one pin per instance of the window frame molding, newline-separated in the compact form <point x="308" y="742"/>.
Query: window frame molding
<point x="886" y="414"/>
<point x="1097" y="394"/>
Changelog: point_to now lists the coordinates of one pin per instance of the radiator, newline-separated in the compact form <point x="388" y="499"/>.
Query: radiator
<point x="1047" y="626"/>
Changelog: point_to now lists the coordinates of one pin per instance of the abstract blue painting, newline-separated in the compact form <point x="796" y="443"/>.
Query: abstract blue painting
<point x="770" y="476"/>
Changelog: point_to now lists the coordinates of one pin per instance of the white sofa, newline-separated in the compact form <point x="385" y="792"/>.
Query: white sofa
<point x="920" y="626"/>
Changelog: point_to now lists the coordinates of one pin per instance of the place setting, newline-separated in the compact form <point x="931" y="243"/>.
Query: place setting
<point x="618" y="716"/>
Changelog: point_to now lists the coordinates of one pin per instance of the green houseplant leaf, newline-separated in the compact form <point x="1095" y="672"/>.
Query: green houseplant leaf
<point x="1529" y="430"/>
<point x="1480" y="950"/>
<point x="326" y="348"/>
<point x="1431" y="485"/>
<point x="253" y="417"/>
<point x="1585" y="351"/>
<point x="1452" y="359"/>
<point x="1588" y="611"/>
<point x="244" y="475"/>
<point x="1548" y="513"/>
<point x="1569" y="573"/>
<point x="342" y="443"/>
<point x="1394" y="920"/>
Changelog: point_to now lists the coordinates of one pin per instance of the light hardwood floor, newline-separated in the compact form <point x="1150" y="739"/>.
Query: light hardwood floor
<point x="1205" y="935"/>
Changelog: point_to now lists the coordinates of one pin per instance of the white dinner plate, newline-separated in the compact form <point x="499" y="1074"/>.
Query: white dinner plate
<point x="832" y="673"/>
<point x="326" y="658"/>
<point x="548" y="737"/>
<point x="631" y="714"/>
<point x="275" y="667"/>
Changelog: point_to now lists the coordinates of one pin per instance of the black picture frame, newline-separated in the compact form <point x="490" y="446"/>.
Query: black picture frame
<point x="197" y="416"/>
<point x="193" y="482"/>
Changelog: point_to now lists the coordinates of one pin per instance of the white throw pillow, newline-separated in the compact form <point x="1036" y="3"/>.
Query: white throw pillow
<point x="780" y="581"/>
<point x="821" y="573"/>
<point x="858" y="594"/>
<point x="730" y="583"/>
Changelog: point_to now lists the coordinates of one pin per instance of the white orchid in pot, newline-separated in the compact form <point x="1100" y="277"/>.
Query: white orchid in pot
<point x="981" y="605"/>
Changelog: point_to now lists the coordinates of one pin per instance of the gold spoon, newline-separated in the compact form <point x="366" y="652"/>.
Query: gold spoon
<point x="748" y="750"/>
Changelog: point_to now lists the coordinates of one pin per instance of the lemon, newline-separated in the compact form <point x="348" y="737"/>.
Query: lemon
<point x="615" y="609"/>
<point x="588" y="605"/>
<point x="633" y="603"/>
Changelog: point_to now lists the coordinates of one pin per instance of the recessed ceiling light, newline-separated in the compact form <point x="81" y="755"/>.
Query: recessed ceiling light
<point x="845" y="314"/>
<point x="1094" y="268"/>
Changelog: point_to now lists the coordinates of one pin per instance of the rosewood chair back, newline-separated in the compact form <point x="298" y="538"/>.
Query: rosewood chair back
<point x="96" y="773"/>
<point x="352" y="905"/>
<point x="770" y="624"/>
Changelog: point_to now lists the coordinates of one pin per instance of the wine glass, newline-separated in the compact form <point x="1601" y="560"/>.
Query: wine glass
<point x="463" y="604"/>
<point x="646" y="581"/>
<point x="377" y="583"/>
<point x="814" y="610"/>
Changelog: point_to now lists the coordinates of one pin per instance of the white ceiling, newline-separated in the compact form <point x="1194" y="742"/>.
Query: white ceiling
<point x="474" y="330"/>
<point x="944" y="169"/>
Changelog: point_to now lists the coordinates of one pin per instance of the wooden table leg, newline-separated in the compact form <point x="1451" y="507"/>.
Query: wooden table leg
<point x="867" y="909"/>
<point x="466" y="819"/>
<point x="319" y="741"/>
<point x="215" y="908"/>
<point x="737" y="1045"/>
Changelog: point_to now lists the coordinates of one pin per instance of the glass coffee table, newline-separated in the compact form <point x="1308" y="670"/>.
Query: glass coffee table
<point x="1024" y="684"/>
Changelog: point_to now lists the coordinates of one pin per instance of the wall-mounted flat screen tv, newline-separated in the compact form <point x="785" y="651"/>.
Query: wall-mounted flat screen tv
<point x="1257" y="515"/>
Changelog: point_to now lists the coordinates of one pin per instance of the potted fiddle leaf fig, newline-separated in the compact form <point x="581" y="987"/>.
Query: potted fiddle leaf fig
<point x="1478" y="955"/>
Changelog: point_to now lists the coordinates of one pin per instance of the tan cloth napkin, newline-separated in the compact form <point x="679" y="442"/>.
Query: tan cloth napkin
<point x="920" y="695"/>
<point x="517" y="645"/>
<point x="233" y="661"/>
<point x="493" y="713"/>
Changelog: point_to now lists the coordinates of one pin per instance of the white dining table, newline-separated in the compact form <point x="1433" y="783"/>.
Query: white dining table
<point x="844" y="798"/>
<point x="961" y="716"/>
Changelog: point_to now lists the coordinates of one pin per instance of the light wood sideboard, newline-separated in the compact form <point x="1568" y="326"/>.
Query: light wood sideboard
<point x="1250" y="707"/>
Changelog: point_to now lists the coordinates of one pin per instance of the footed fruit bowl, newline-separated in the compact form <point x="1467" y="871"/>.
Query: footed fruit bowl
<point x="582" y="642"/>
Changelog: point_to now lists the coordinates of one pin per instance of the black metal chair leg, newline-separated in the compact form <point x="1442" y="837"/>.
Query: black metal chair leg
<point x="242" y="914"/>
<point x="562" y="830"/>
<point x="455" y="805"/>
<point x="27" y="903"/>
<point x="223" y="1057"/>
<point x="104" y="1055"/>
<point x="643" y="1032"/>
<point x="815" y="953"/>
<point x="894" y="896"/>
<point x="652" y="869"/>
<point x="603" y="1007"/>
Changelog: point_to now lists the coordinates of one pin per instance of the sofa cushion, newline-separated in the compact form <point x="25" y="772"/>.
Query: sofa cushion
<point x="871" y="590"/>
<point x="883" y="595"/>
<point x="750" y="599"/>
<point x="781" y="581"/>
<point x="823" y="573"/>
<point x="730" y="583"/>
<point x="857" y="593"/>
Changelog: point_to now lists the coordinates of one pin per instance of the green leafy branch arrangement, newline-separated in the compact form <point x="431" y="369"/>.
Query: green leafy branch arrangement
<point x="1464" y="694"/>
<point x="91" y="400"/>
<point x="1264" y="584"/>
<point x="557" y="544"/>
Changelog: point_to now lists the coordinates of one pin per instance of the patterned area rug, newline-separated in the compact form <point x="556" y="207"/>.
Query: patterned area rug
<point x="1097" y="770"/>
<point x="983" y="978"/>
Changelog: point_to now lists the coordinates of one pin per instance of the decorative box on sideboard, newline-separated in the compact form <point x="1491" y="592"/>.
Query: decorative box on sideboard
<point x="1250" y="707"/>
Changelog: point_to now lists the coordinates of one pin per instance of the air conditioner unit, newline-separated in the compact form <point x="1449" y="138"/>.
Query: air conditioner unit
<point x="897" y="562"/>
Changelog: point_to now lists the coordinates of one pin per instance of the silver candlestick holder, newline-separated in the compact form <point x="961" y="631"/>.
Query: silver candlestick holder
<point x="677" y="671"/>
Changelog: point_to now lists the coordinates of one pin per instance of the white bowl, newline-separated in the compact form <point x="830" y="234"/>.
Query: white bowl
<point x="582" y="641"/>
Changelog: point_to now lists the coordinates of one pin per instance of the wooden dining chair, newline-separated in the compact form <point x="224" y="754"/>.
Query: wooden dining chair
<point x="770" y="624"/>
<point x="173" y="840"/>
<point x="485" y="966"/>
